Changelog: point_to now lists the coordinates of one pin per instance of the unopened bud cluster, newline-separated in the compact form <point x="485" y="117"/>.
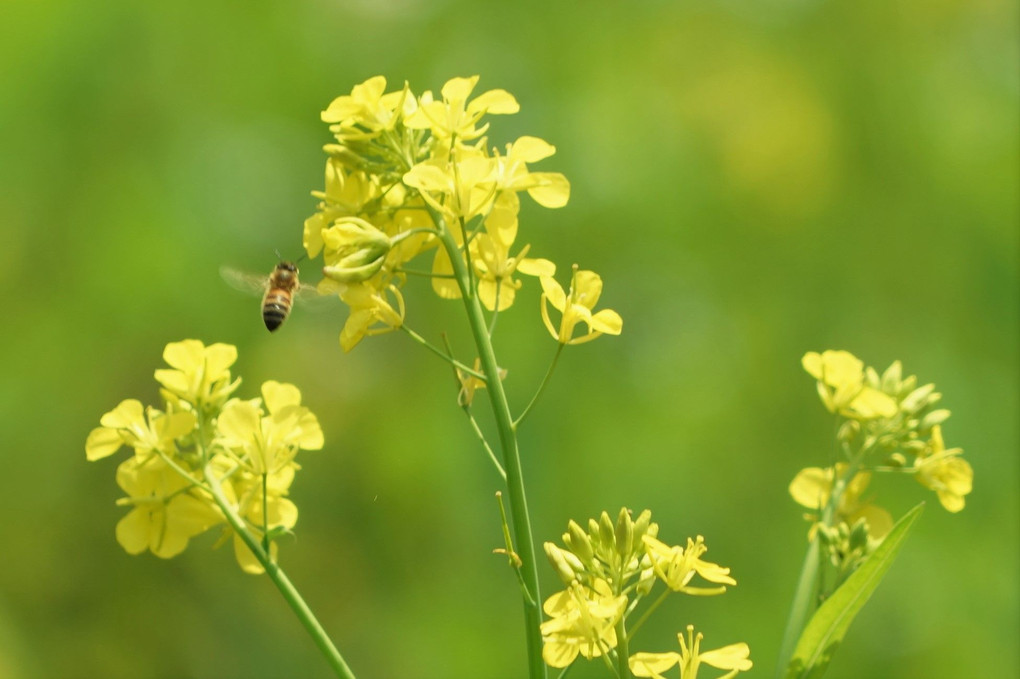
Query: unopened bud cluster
<point x="607" y="569"/>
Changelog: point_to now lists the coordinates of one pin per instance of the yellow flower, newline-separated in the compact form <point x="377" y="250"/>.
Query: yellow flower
<point x="460" y="186"/>
<point x="455" y="116"/>
<point x="371" y="313"/>
<point x="145" y="430"/>
<point x="841" y="386"/>
<point x="366" y="111"/>
<point x="496" y="285"/>
<point x="280" y="513"/>
<point x="676" y="566"/>
<point x="548" y="189"/>
<point x="266" y="443"/>
<point x="735" y="658"/>
<point x="346" y="194"/>
<point x="945" y="472"/>
<point x="576" y="307"/>
<point x="583" y="622"/>
<point x="201" y="375"/>
<point x="812" y="486"/>
<point x="165" y="513"/>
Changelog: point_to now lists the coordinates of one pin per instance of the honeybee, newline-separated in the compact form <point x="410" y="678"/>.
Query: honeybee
<point x="278" y="290"/>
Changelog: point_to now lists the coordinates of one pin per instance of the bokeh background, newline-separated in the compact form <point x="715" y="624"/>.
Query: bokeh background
<point x="752" y="179"/>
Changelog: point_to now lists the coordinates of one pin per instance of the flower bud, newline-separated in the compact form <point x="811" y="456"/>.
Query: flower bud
<point x="624" y="533"/>
<point x="355" y="250"/>
<point x="577" y="540"/>
<point x="566" y="564"/>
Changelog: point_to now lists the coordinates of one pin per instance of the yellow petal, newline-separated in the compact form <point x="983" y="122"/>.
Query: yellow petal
<point x="536" y="267"/>
<point x="186" y="355"/>
<point x="277" y="395"/>
<point x="531" y="149"/>
<point x="652" y="664"/>
<point x="607" y="321"/>
<point x="133" y="531"/>
<point x="732" y="657"/>
<point x="127" y="414"/>
<point x="458" y="89"/>
<point x="554" y="292"/>
<point x="551" y="189"/>
<point x="493" y="102"/>
<point x="102" y="442"/>
<point x="810" y="488"/>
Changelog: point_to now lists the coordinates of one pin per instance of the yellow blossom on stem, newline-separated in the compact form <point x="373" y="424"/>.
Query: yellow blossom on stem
<point x="200" y="375"/>
<point x="367" y="111"/>
<point x="145" y="430"/>
<point x="944" y="471"/>
<point x="548" y="189"/>
<point x="166" y="511"/>
<point x="576" y="307"/>
<point x="266" y="443"/>
<point x="735" y="658"/>
<point x="371" y="312"/>
<point x="841" y="386"/>
<point x="583" y="621"/>
<point x="676" y="566"/>
<point x="813" y="485"/>
<point x="455" y="116"/>
<point x="497" y="287"/>
<point x="460" y="186"/>
<point x="346" y="194"/>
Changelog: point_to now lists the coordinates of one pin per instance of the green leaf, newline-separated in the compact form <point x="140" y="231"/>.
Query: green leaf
<point x="825" y="631"/>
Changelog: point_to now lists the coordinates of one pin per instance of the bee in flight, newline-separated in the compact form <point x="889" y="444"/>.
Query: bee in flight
<point x="278" y="291"/>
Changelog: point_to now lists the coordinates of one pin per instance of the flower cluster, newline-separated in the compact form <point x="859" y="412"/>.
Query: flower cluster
<point x="888" y="424"/>
<point x="607" y="570"/>
<point x="206" y="457"/>
<point x="407" y="170"/>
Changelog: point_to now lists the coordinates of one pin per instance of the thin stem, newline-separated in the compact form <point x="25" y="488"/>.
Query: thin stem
<point x="428" y="345"/>
<point x="466" y="407"/>
<point x="279" y="578"/>
<point x="648" y="612"/>
<point x="622" y="649"/>
<point x="423" y="274"/>
<point x="488" y="449"/>
<point x="508" y="444"/>
<point x="541" y="387"/>
<point x="265" y="513"/>
<point x="495" y="311"/>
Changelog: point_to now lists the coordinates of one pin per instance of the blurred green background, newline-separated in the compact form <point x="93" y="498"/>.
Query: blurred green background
<point x="753" y="180"/>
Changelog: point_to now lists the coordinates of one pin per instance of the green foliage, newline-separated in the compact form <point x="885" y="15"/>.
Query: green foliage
<point x="826" y="629"/>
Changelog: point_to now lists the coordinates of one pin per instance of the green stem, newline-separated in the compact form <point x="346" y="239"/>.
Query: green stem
<point x="622" y="649"/>
<point x="511" y="455"/>
<point x="648" y="611"/>
<point x="541" y="387"/>
<point x="279" y="578"/>
<point x="806" y="597"/>
<point x="434" y="349"/>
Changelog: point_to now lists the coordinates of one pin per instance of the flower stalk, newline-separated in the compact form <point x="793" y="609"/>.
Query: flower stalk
<point x="524" y="542"/>
<point x="279" y="578"/>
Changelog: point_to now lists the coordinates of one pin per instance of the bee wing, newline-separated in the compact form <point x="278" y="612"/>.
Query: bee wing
<point x="249" y="283"/>
<point x="312" y="297"/>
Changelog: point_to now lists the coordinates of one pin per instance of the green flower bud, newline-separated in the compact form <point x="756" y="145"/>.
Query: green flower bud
<point x="624" y="533"/>
<point x="566" y="564"/>
<point x="355" y="250"/>
<point x="607" y="535"/>
<point x="917" y="399"/>
<point x="577" y="540"/>
<point x="933" y="418"/>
